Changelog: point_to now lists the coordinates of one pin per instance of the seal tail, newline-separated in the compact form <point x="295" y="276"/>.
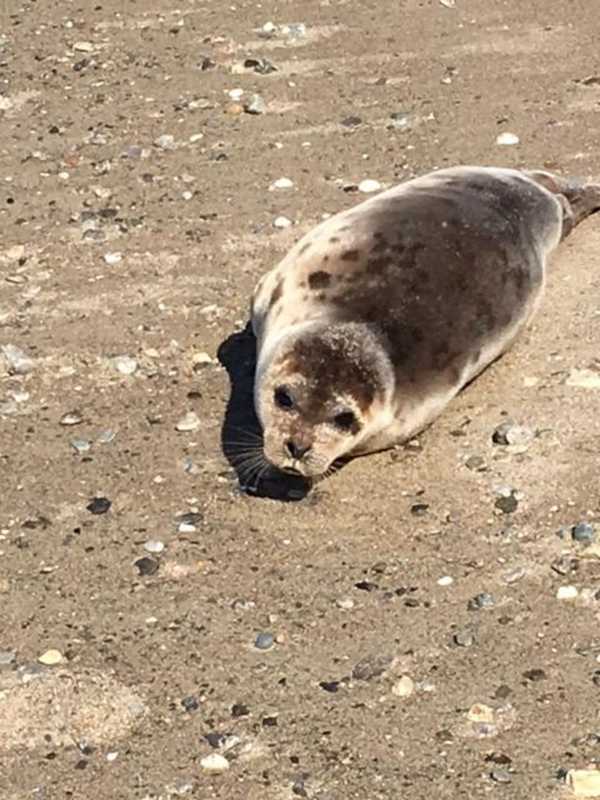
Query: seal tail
<point x="579" y="198"/>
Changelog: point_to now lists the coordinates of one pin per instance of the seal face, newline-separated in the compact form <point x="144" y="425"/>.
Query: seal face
<point x="381" y="314"/>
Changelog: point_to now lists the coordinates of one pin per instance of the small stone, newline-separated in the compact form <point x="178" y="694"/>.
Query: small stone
<point x="400" y="120"/>
<point x="372" y="667"/>
<point x="255" y="105"/>
<point x="514" y="575"/>
<point x="112" y="756"/>
<point x="14" y="253"/>
<point x="563" y="565"/>
<point x="260" y="65"/>
<point x="264" y="641"/>
<point x="584" y="782"/>
<point x="507" y="139"/>
<point x="106" y="437"/>
<point x="482" y="600"/>
<point x="404" y="687"/>
<point x="239" y="710"/>
<point x="51" y="658"/>
<point x="81" y="445"/>
<point x="126" y="365"/>
<point x="368" y="185"/>
<point x="154" y="546"/>
<point x="567" y="593"/>
<point x="534" y="675"/>
<point x="294" y="30"/>
<point x="476" y="464"/>
<point x="352" y="121"/>
<point x="501" y="776"/>
<point x="584" y="379"/>
<point x="71" y="418"/>
<point x="583" y="533"/>
<point x="7" y="658"/>
<point x="190" y="703"/>
<point x="190" y="422"/>
<point x="330" y="686"/>
<point x="464" y="638"/>
<point x="445" y="580"/>
<point x="188" y="522"/>
<point x="18" y="362"/>
<point x="510" y="434"/>
<point x="214" y="763"/>
<point x="508" y="505"/>
<point x="281" y="183"/>
<point x="112" y="258"/>
<point x="165" y="142"/>
<point x="99" y="505"/>
<point x="83" y="47"/>
<point x="147" y="566"/>
<point x="282" y="222"/>
<point x="481" y="713"/>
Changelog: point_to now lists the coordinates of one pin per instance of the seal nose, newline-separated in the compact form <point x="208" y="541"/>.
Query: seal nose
<point x="296" y="450"/>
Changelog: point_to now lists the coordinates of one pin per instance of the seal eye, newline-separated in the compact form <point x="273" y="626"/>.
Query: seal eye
<point x="283" y="398"/>
<point x="344" y="421"/>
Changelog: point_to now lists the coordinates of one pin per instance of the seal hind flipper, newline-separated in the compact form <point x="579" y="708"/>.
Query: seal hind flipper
<point x="579" y="198"/>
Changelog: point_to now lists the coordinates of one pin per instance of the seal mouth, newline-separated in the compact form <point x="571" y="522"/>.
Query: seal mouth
<point x="292" y="471"/>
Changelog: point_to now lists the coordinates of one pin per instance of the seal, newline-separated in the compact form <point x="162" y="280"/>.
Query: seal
<point x="381" y="314"/>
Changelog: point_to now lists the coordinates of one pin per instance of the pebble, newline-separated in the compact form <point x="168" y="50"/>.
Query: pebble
<point x="51" y="658"/>
<point x="190" y="703"/>
<point x="507" y="139"/>
<point x="147" y="566"/>
<point x="372" y="667"/>
<point x="481" y="600"/>
<point x="404" y="687"/>
<point x="511" y="434"/>
<point x="345" y="603"/>
<point x="18" y="362"/>
<point x="567" y="593"/>
<point x="71" y="418"/>
<point x="189" y="422"/>
<point x="583" y="532"/>
<point x="282" y="222"/>
<point x="584" y="782"/>
<point x="445" y="580"/>
<point x="294" y="30"/>
<point x="112" y="756"/>
<point x="501" y="776"/>
<point x="508" y="505"/>
<point x="98" y="505"/>
<point x="214" y="763"/>
<point x="7" y="658"/>
<point x="83" y="47"/>
<point x="165" y="142"/>
<point x="260" y="65"/>
<point x="106" y="437"/>
<point x="264" y="641"/>
<point x="126" y="365"/>
<point x="281" y="183"/>
<point x="476" y="464"/>
<point x="464" y="638"/>
<point x="368" y="185"/>
<point x="154" y="546"/>
<point x="584" y="379"/>
<point x="81" y="445"/>
<point x="534" y="675"/>
<point x="255" y="105"/>
<point x="112" y="258"/>
<point x="400" y="120"/>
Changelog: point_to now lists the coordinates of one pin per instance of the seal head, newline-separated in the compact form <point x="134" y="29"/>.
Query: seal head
<point x="322" y="390"/>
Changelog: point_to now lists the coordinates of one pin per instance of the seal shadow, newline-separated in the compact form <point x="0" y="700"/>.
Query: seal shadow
<point x="241" y="430"/>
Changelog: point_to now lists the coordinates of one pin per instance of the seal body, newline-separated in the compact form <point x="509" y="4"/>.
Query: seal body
<point x="381" y="314"/>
